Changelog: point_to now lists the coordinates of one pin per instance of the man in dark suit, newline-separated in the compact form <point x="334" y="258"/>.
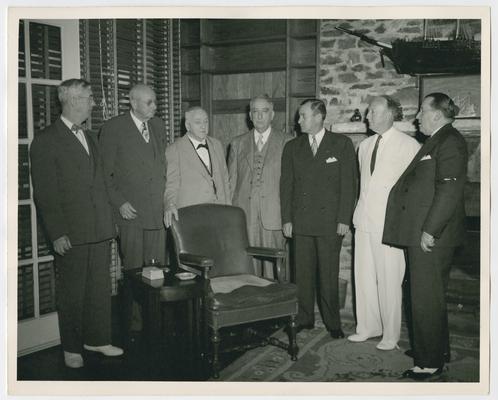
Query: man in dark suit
<point x="254" y="164"/>
<point x="71" y="197"/>
<point x="318" y="188"/>
<point x="133" y="147"/>
<point x="425" y="214"/>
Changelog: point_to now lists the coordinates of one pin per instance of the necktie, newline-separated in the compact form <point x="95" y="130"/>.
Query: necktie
<point x="78" y="132"/>
<point x="200" y="145"/>
<point x="260" y="143"/>
<point x="145" y="132"/>
<point x="374" y="155"/>
<point x="314" y="146"/>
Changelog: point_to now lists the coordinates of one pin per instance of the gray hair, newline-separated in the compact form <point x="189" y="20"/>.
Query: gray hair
<point x="67" y="88"/>
<point x="264" y="97"/>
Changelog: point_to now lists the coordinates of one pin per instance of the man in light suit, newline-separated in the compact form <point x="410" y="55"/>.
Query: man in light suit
<point x="70" y="195"/>
<point x="254" y="164"/>
<point x="379" y="269"/>
<point x="318" y="190"/>
<point x="133" y="147"/>
<point x="425" y="214"/>
<point x="196" y="168"/>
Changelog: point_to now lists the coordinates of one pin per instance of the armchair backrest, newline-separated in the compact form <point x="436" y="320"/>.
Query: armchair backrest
<point x="215" y="231"/>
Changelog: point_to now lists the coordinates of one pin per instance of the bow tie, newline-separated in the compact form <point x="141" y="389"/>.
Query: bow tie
<point x="201" y="145"/>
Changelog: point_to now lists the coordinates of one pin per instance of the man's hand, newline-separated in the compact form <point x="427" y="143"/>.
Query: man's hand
<point x="427" y="242"/>
<point x="287" y="229"/>
<point x="62" y="245"/>
<point x="127" y="211"/>
<point x="169" y="214"/>
<point x="342" y="229"/>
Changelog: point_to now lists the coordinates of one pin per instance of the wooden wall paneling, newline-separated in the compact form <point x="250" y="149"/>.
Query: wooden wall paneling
<point x="248" y="85"/>
<point x="250" y="57"/>
<point x="190" y="32"/>
<point x="302" y="27"/>
<point x="303" y="52"/>
<point x="191" y="86"/>
<point x="223" y="30"/>
<point x="302" y="82"/>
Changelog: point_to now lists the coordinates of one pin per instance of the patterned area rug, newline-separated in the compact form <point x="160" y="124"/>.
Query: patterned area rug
<point x="323" y="359"/>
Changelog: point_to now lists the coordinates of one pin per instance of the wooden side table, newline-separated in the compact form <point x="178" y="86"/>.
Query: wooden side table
<point x="164" y="335"/>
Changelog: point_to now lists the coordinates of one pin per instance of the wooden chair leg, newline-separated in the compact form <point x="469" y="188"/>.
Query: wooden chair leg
<point x="293" y="349"/>
<point x="215" y="339"/>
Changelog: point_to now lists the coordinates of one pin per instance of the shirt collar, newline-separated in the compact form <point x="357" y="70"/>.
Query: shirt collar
<point x="265" y="134"/>
<point x="195" y="142"/>
<point x="438" y="129"/>
<point x="387" y="134"/>
<point x="68" y="123"/>
<point x="318" y="136"/>
<point x="138" y="123"/>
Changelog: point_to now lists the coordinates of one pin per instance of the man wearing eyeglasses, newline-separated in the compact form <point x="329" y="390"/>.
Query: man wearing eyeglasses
<point x="133" y="152"/>
<point x="72" y="200"/>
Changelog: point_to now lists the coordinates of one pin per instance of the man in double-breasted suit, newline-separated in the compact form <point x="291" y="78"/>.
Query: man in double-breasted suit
<point x="72" y="200"/>
<point x="196" y="168"/>
<point x="254" y="164"/>
<point x="133" y="152"/>
<point x="425" y="214"/>
<point x="379" y="269"/>
<point x="318" y="190"/>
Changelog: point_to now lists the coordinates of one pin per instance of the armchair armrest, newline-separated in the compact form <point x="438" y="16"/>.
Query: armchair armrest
<point x="269" y="252"/>
<point x="266" y="252"/>
<point x="196" y="264"/>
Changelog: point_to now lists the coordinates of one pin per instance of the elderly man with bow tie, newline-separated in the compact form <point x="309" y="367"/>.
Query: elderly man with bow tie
<point x="196" y="168"/>
<point x="72" y="201"/>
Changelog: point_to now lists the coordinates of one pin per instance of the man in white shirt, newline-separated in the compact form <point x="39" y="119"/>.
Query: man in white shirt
<point x="196" y="168"/>
<point x="378" y="268"/>
<point x="254" y="166"/>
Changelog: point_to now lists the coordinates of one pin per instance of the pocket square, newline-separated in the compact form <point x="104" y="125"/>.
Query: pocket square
<point x="426" y="157"/>
<point x="330" y="160"/>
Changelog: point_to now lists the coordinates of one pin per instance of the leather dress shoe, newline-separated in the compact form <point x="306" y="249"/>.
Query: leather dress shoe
<point x="357" y="338"/>
<point x="386" y="346"/>
<point x="421" y="376"/>
<point x="73" y="360"/>
<point x="107" y="350"/>
<point x="336" y="333"/>
<point x="447" y="356"/>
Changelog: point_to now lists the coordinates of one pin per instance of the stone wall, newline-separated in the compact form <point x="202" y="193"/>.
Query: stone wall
<point x="351" y="71"/>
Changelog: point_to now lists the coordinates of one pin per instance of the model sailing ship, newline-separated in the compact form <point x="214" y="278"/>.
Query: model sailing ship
<point x="460" y="55"/>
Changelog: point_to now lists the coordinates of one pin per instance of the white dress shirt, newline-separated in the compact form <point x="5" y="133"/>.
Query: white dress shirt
<point x="79" y="134"/>
<point x="318" y="137"/>
<point x="202" y="152"/>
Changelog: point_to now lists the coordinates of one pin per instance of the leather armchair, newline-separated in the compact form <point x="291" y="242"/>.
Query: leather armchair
<point x="211" y="240"/>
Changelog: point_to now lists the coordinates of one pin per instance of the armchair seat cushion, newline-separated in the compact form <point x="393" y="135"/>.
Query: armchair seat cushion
<point x="252" y="296"/>
<point x="227" y="284"/>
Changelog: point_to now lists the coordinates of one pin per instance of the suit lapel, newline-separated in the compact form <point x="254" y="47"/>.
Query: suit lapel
<point x="272" y="146"/>
<point x="137" y="140"/>
<point x="427" y="147"/>
<point x="194" y="160"/>
<point x="247" y="148"/>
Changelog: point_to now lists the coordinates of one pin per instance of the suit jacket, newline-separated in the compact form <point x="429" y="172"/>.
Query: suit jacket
<point x="133" y="172"/>
<point x="187" y="180"/>
<point x="69" y="187"/>
<point x="240" y="167"/>
<point x="395" y="152"/>
<point x="317" y="193"/>
<point x="429" y="195"/>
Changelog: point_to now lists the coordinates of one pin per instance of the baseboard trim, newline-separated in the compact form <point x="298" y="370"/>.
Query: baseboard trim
<point x="40" y="347"/>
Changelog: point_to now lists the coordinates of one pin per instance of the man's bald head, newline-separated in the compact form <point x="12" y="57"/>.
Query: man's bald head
<point x="143" y="101"/>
